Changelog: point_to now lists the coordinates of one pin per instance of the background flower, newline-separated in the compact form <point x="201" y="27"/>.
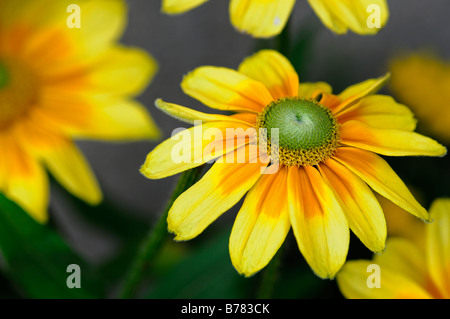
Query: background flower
<point x="60" y="84"/>
<point x="409" y="269"/>
<point x="422" y="81"/>
<point x="262" y="18"/>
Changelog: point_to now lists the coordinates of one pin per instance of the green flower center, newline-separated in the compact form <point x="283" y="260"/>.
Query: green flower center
<point x="19" y="90"/>
<point x="308" y="132"/>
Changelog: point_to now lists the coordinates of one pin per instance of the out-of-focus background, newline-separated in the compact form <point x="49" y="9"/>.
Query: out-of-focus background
<point x="204" y="36"/>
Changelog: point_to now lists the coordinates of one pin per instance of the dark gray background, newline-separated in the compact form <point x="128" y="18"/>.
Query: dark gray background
<point x="205" y="36"/>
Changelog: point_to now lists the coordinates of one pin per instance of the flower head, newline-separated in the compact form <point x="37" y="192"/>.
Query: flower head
<point x="317" y="179"/>
<point x="421" y="80"/>
<point x="263" y="18"/>
<point x="409" y="268"/>
<point x="58" y="84"/>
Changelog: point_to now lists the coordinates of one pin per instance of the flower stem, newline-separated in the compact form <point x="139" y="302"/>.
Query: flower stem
<point x="152" y="243"/>
<point x="270" y="277"/>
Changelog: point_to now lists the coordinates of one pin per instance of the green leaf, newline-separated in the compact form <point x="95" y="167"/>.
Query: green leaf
<point x="206" y="272"/>
<point x="36" y="258"/>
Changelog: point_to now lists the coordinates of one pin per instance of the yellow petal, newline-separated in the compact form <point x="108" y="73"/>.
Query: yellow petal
<point x="312" y="89"/>
<point x="226" y="89"/>
<point x="340" y="16"/>
<point x="249" y="118"/>
<point x="389" y="142"/>
<point x="402" y="224"/>
<point x="404" y="257"/>
<point x="116" y="120"/>
<point x="26" y="182"/>
<point x="122" y="71"/>
<point x="274" y="71"/>
<point x="71" y="170"/>
<point x="260" y="18"/>
<point x="356" y="92"/>
<point x="61" y="157"/>
<point x="438" y="245"/>
<point x="380" y="111"/>
<point x="318" y="221"/>
<point x="102" y="23"/>
<point x="189" y="115"/>
<point x="180" y="6"/>
<point x="420" y="80"/>
<point x="261" y="225"/>
<point x="353" y="278"/>
<point x="364" y="214"/>
<point x="380" y="177"/>
<point x="218" y="190"/>
<point x="186" y="149"/>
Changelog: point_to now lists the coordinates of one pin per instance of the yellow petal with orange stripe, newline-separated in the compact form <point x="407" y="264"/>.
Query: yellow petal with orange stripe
<point x="274" y="71"/>
<point x="361" y="208"/>
<point x="218" y="190"/>
<point x="380" y="111"/>
<point x="310" y="90"/>
<point x="190" y="116"/>
<point x="380" y="177"/>
<point x="356" y="92"/>
<point x="389" y="142"/>
<point x="261" y="225"/>
<point x="63" y="159"/>
<point x="226" y="89"/>
<point x="195" y="146"/>
<point x="318" y="221"/>
<point x="26" y="182"/>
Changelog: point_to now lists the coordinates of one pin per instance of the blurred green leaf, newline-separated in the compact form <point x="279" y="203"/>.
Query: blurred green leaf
<point x="36" y="258"/>
<point x="108" y="215"/>
<point x="115" y="220"/>
<point x="206" y="272"/>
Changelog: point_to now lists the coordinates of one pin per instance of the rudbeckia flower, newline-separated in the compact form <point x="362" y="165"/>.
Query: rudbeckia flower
<point x="407" y="270"/>
<point x="58" y="84"/>
<point x="327" y="162"/>
<point x="266" y="18"/>
<point x="421" y="80"/>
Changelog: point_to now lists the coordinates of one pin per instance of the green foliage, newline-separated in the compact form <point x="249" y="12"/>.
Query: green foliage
<point x="36" y="258"/>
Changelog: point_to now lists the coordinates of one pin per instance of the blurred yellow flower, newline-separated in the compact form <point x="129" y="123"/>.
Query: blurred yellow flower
<point x="422" y="81"/>
<point x="59" y="83"/>
<point x="266" y="18"/>
<point x="407" y="270"/>
<point x="327" y="161"/>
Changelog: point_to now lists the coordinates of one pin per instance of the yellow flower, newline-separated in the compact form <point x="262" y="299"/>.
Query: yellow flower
<point x="327" y="146"/>
<point x="407" y="270"/>
<point x="266" y="18"/>
<point x="59" y="83"/>
<point x="421" y="80"/>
